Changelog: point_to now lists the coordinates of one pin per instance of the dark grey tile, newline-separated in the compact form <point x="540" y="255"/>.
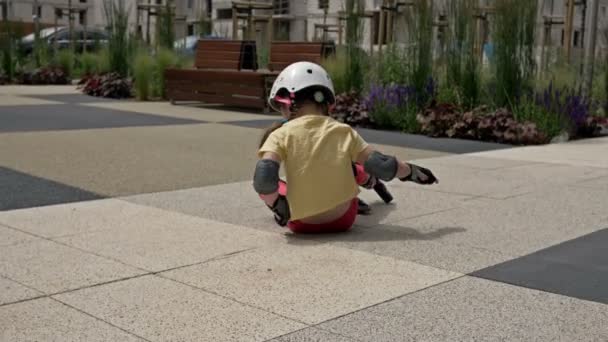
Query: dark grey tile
<point x="66" y="117"/>
<point x="19" y="190"/>
<point x="71" y="98"/>
<point x="401" y="139"/>
<point x="427" y="143"/>
<point x="577" y="268"/>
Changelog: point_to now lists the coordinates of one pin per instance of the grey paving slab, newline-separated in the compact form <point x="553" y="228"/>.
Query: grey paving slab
<point x="11" y="292"/>
<point x="170" y="241"/>
<point x="576" y="268"/>
<point x="21" y="190"/>
<point x="312" y="335"/>
<point x="51" y="267"/>
<point x="70" y="117"/>
<point x="307" y="282"/>
<point x="163" y="310"/>
<point x="520" y="225"/>
<point x="382" y="137"/>
<point x="407" y="202"/>
<point x="50" y="321"/>
<point x="596" y="183"/>
<point x="41" y="89"/>
<point x="10" y="236"/>
<point x="472" y="309"/>
<point x="427" y="247"/>
<point x="76" y="218"/>
<point x="588" y="152"/>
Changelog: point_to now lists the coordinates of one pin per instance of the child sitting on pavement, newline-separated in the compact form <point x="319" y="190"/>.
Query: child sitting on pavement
<point x="318" y="153"/>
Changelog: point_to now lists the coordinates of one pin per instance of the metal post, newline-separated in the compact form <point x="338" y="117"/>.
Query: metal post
<point x="590" y="49"/>
<point x="568" y="31"/>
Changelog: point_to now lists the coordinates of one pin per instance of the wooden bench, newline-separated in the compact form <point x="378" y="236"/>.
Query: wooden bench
<point x="227" y="72"/>
<point x="224" y="73"/>
<point x="283" y="54"/>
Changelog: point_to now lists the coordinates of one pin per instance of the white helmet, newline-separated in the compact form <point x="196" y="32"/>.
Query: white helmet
<point x="299" y="76"/>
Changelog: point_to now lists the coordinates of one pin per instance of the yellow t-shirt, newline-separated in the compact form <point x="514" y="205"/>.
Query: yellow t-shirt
<point x="317" y="152"/>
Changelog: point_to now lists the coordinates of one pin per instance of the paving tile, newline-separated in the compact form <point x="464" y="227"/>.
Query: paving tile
<point x="593" y="154"/>
<point x="472" y="309"/>
<point x="474" y="162"/>
<point x="50" y="321"/>
<point x="576" y="268"/>
<point x="163" y="310"/>
<point x="170" y="241"/>
<point x="310" y="283"/>
<point x="407" y="202"/>
<point x="405" y="243"/>
<point x="11" y="291"/>
<point x="9" y="236"/>
<point x="50" y="267"/>
<point x="600" y="183"/>
<point x="76" y="218"/>
<point x="312" y="335"/>
<point x="38" y="89"/>
<point x="520" y="225"/>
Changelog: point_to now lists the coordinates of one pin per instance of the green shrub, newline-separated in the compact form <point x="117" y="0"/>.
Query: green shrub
<point x="65" y="60"/>
<point x="336" y="65"/>
<point x="143" y="72"/>
<point x="164" y="59"/>
<point x="89" y="64"/>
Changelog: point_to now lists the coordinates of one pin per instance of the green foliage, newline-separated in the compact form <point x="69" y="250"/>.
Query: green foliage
<point x="89" y="64"/>
<point x="514" y="30"/>
<point x="143" y="72"/>
<point x="117" y="17"/>
<point x="166" y="33"/>
<point x="65" y="60"/>
<point x="549" y="123"/>
<point x="336" y="66"/>
<point x="356" y="58"/>
<point x="164" y="59"/>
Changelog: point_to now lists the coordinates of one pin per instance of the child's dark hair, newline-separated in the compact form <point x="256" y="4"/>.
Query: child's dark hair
<point x="269" y="131"/>
<point x="302" y="96"/>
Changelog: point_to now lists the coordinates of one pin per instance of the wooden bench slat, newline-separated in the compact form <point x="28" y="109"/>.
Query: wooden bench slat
<point x="228" y="76"/>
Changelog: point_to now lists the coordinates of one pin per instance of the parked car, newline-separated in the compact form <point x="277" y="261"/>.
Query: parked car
<point x="95" y="38"/>
<point x="188" y="45"/>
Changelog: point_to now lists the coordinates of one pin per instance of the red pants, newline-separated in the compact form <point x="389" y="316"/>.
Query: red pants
<point x="341" y="224"/>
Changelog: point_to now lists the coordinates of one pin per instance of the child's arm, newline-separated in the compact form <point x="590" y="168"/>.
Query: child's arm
<point x="387" y="168"/>
<point x="269" y="198"/>
<point x="266" y="184"/>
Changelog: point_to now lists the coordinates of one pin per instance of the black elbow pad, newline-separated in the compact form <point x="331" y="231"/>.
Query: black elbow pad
<point x="381" y="166"/>
<point x="266" y="176"/>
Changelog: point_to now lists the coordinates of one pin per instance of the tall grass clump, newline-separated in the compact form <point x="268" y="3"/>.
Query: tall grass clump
<point x="355" y="61"/>
<point x="336" y="66"/>
<point x="117" y="17"/>
<point x="166" y="33"/>
<point x="65" y="59"/>
<point x="462" y="68"/>
<point x="8" y="46"/>
<point x="164" y="59"/>
<point x="143" y="72"/>
<point x="514" y="29"/>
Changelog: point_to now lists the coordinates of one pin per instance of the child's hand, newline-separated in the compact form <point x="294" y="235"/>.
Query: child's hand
<point x="420" y="175"/>
<point x="280" y="208"/>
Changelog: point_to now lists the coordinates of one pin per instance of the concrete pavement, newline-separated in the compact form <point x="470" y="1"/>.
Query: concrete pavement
<point x="510" y="246"/>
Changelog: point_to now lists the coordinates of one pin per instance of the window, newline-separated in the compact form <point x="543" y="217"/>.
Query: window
<point x="82" y="17"/>
<point x="190" y="29"/>
<point x="281" y="30"/>
<point x="603" y="11"/>
<point x="576" y="38"/>
<point x="190" y="4"/>
<point x="224" y="13"/>
<point x="281" y="6"/>
<point x="323" y="4"/>
<point x="39" y="12"/>
<point x="83" y="1"/>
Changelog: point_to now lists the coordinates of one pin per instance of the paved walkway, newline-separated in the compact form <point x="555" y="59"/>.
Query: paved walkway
<point x="511" y="245"/>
